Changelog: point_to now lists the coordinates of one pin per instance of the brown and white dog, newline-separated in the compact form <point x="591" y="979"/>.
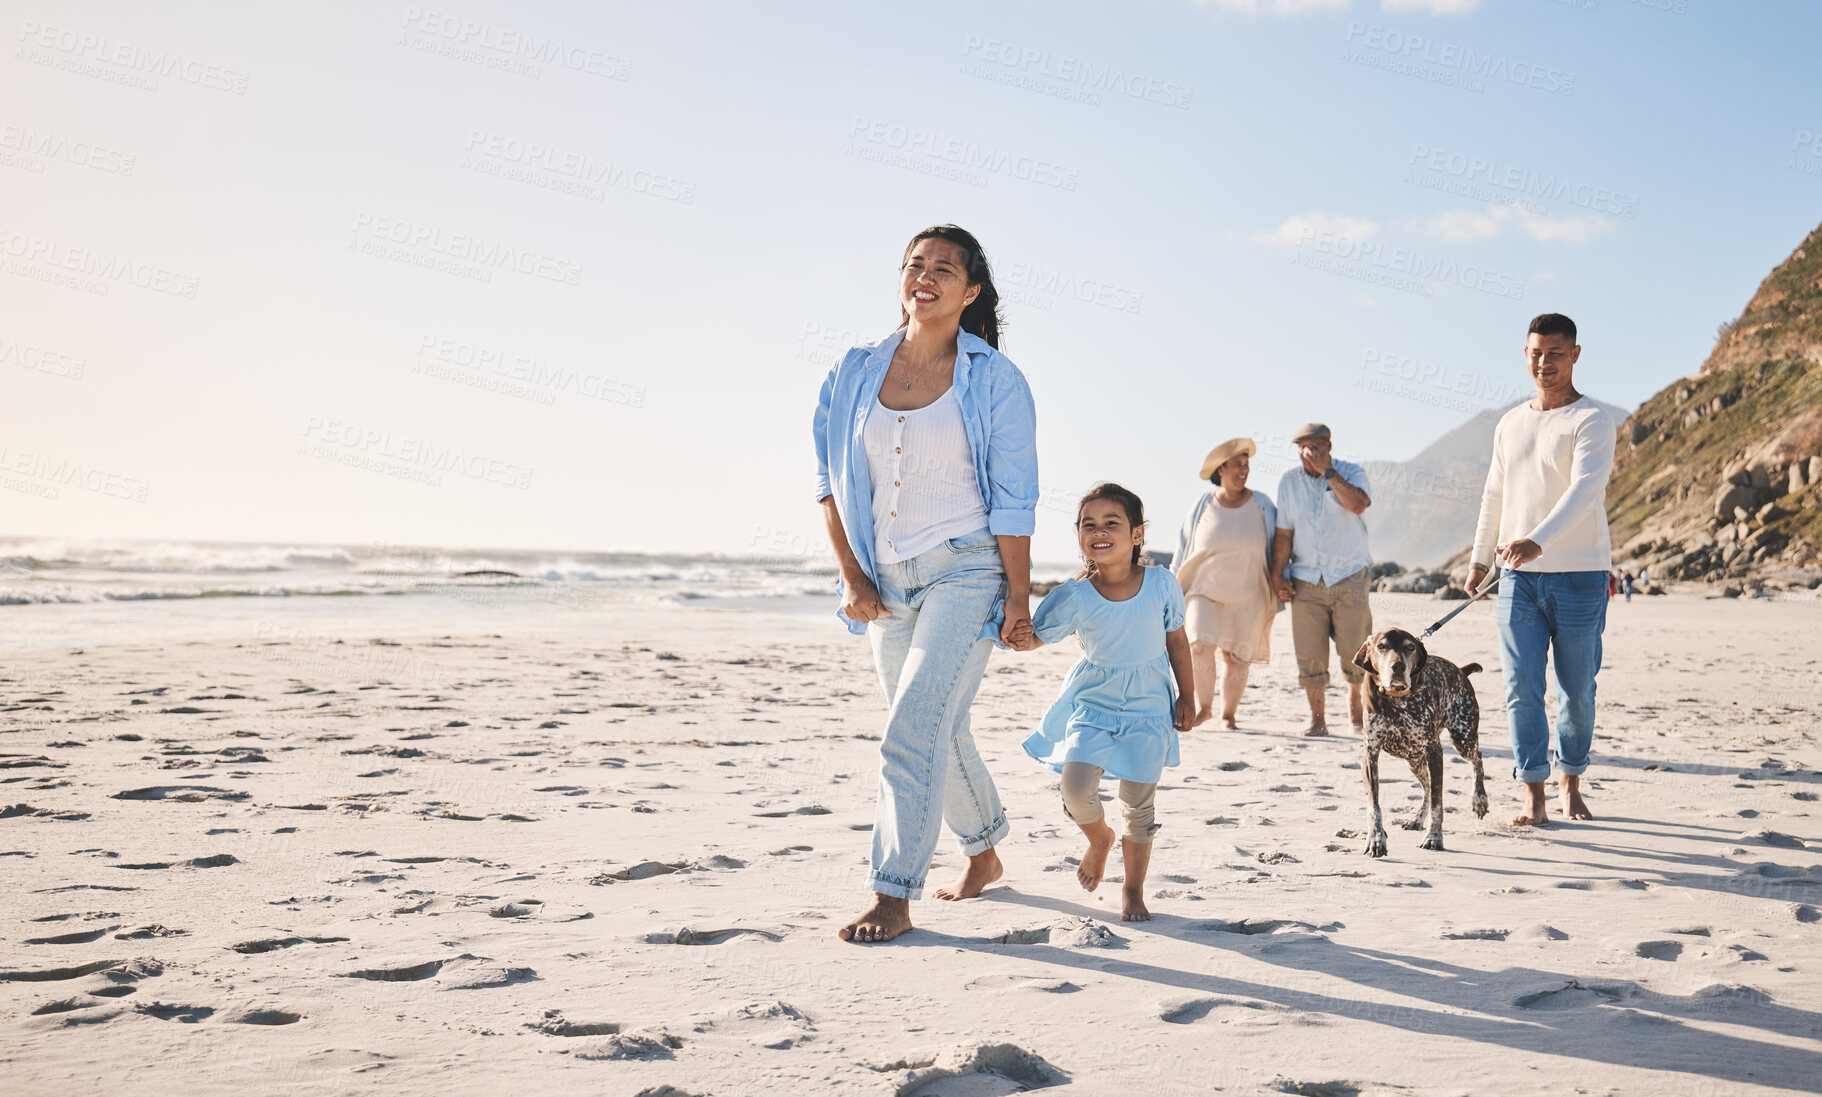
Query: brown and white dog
<point x="1411" y="697"/>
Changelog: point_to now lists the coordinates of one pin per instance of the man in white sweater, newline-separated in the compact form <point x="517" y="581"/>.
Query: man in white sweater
<point x="1543" y="514"/>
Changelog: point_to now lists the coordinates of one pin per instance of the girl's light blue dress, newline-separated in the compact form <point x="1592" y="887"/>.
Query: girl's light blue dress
<point x="1117" y="709"/>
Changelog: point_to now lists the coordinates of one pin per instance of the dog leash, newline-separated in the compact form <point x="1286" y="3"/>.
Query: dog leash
<point x="1485" y="589"/>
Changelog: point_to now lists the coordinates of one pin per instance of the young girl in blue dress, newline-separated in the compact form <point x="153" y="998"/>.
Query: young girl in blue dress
<point x="1123" y="703"/>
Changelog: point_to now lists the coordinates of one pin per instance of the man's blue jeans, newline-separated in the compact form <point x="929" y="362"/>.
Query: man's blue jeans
<point x="1544" y="614"/>
<point x="931" y="655"/>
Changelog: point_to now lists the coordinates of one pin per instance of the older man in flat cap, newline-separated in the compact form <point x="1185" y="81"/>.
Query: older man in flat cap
<point x="1324" y="540"/>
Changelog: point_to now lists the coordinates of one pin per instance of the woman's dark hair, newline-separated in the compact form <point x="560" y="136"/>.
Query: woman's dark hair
<point x="1128" y="502"/>
<point x="981" y="318"/>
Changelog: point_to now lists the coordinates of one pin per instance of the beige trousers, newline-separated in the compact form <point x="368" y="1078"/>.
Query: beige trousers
<point x="1082" y="801"/>
<point x="1321" y="613"/>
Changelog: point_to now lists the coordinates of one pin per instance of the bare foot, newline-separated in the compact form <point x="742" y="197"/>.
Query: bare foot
<point x="1535" y="813"/>
<point x="885" y="919"/>
<point x="1094" y="861"/>
<point x="1572" y="793"/>
<point x="1137" y="858"/>
<point x="1228" y="722"/>
<point x="1202" y="717"/>
<point x="983" y="869"/>
<point x="1318" y="726"/>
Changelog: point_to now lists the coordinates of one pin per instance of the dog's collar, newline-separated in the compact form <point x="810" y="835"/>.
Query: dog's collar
<point x="1389" y="693"/>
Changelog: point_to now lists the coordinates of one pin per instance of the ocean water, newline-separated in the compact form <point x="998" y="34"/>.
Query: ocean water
<point x="48" y="571"/>
<point x="68" y="592"/>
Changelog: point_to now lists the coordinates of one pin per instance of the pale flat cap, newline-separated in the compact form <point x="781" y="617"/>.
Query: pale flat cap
<point x="1311" y="432"/>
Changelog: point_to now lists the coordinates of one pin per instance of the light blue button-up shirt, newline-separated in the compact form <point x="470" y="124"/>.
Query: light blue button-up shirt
<point x="1328" y="541"/>
<point x="997" y="412"/>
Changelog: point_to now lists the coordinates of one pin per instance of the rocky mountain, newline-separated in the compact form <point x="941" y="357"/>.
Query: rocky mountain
<point x="1719" y="476"/>
<point x="1424" y="509"/>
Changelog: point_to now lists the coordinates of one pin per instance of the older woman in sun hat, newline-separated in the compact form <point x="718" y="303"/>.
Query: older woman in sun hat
<point x="1223" y="561"/>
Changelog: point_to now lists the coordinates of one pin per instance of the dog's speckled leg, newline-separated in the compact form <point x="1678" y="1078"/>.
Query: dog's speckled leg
<point x="1369" y="772"/>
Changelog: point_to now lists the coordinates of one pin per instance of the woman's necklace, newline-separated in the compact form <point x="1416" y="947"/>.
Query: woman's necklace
<point x="920" y="374"/>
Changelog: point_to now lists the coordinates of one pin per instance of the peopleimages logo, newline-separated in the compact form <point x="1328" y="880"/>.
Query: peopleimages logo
<point x="590" y="172"/>
<point x="1077" y="71"/>
<point x="1372" y="261"/>
<point x="466" y="247"/>
<point x="515" y="45"/>
<point x="939" y="146"/>
<point x="46" y="259"/>
<point x="62" y="47"/>
<point x="382" y="451"/>
<point x="27" y="141"/>
<point x="1414" y="50"/>
<point x="1524" y="181"/>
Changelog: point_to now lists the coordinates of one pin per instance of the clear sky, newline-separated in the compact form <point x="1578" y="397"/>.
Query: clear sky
<point x="569" y="275"/>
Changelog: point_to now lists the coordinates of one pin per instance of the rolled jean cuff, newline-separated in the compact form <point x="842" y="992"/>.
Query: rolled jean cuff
<point x="1531" y="776"/>
<point x="1570" y="770"/>
<point x="978" y="844"/>
<point x="899" y="887"/>
<point x="1312" y="681"/>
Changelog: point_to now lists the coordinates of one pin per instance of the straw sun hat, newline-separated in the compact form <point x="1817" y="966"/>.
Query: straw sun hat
<point x="1220" y="455"/>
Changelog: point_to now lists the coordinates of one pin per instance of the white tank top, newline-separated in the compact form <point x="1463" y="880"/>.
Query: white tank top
<point x="924" y="487"/>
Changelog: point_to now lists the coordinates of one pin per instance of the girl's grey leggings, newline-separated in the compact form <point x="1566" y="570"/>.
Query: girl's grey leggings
<point x="1082" y="801"/>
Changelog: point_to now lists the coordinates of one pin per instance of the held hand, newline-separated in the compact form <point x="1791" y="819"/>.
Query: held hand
<point x="1017" y="633"/>
<point x="1186" y="712"/>
<point x="1286" y="592"/>
<point x="860" y="600"/>
<point x="1520" y="552"/>
<point x="1018" y="617"/>
<point x="1476" y="576"/>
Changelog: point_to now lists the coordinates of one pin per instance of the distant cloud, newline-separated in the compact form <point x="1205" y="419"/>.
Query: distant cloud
<point x="1464" y="226"/>
<point x="1305" y="227"/>
<point x="1290" y="9"/>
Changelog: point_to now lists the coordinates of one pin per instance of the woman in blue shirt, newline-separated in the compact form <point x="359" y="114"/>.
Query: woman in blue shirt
<point x="926" y="450"/>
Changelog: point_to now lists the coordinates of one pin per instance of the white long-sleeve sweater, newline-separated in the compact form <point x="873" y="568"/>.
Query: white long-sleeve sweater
<point x="1548" y="483"/>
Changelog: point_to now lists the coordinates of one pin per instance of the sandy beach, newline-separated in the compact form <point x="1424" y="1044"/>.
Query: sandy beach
<point x="436" y="852"/>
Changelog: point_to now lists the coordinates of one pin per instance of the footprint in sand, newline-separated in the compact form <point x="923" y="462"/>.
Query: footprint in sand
<point x="187" y="1015"/>
<point x="554" y="1024"/>
<point x="773" y="1025"/>
<point x="644" y="870"/>
<point x="273" y="944"/>
<point x="1658" y="950"/>
<point x="645" y="1045"/>
<point x="269" y="1017"/>
<point x="1008" y="983"/>
<point x="79" y="938"/>
<point x="1573" y="994"/>
<point x="56" y="974"/>
<point x="991" y="1068"/>
<point x="1186" y="1011"/>
<point x="1069" y="933"/>
<point x="687" y="936"/>
<point x="1325" y="1089"/>
<point x="409" y="973"/>
<point x="1252" y="927"/>
<point x="219" y="860"/>
<point x="1476" y="935"/>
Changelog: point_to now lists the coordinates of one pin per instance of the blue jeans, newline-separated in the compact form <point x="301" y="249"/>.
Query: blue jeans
<point x="1539" y="613"/>
<point x="931" y="657"/>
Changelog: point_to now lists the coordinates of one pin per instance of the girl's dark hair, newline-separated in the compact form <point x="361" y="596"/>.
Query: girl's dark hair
<point x="1128" y="502"/>
<point x="981" y="318"/>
